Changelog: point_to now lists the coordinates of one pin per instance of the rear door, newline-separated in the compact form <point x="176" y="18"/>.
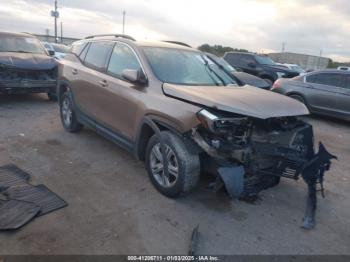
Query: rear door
<point x="90" y="78"/>
<point x="325" y="91"/>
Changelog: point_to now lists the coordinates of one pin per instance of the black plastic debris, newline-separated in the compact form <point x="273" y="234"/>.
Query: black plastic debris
<point x="20" y="201"/>
<point x="15" y="214"/>
<point x="11" y="175"/>
<point x="39" y="195"/>
<point x="194" y="241"/>
<point x="233" y="178"/>
<point x="313" y="174"/>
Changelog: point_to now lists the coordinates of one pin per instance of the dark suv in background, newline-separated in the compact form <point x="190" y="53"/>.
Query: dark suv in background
<point x="259" y="65"/>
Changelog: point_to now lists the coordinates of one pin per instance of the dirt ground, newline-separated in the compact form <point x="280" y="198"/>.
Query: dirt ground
<point x="114" y="209"/>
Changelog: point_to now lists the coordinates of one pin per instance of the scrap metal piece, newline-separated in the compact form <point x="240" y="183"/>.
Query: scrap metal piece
<point x="194" y="241"/>
<point x="312" y="174"/>
<point x="15" y="214"/>
<point x="233" y="178"/>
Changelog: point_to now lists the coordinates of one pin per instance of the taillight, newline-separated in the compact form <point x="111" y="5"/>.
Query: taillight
<point x="277" y="84"/>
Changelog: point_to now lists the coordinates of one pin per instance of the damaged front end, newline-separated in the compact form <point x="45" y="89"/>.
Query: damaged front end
<point x="252" y="154"/>
<point x="15" y="80"/>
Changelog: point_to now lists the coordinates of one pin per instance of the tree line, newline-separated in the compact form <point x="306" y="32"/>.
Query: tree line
<point x="219" y="50"/>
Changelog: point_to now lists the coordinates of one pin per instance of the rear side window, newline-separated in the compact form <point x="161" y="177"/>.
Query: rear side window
<point x="328" y="79"/>
<point x="233" y="59"/>
<point x="98" y="54"/>
<point x="84" y="52"/>
<point x="77" y="48"/>
<point x="246" y="60"/>
<point x="122" y="58"/>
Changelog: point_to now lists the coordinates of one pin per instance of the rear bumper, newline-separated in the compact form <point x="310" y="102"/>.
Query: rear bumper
<point x="24" y="87"/>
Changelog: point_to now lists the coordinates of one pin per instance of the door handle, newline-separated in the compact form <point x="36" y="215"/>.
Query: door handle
<point x="103" y="83"/>
<point x="74" y="71"/>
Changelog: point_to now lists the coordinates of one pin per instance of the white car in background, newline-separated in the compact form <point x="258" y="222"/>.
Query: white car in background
<point x="294" y="67"/>
<point x="345" y="68"/>
<point x="60" y="50"/>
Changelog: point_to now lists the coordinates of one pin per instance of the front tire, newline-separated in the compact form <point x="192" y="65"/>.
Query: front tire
<point x="299" y="98"/>
<point x="68" y="116"/>
<point x="183" y="167"/>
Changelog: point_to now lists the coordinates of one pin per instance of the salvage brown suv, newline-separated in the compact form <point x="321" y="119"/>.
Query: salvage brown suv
<point x="179" y="111"/>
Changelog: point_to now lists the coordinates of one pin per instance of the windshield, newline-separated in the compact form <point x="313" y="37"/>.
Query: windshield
<point x="20" y="44"/>
<point x="185" y="67"/>
<point x="60" y="48"/>
<point x="264" y="60"/>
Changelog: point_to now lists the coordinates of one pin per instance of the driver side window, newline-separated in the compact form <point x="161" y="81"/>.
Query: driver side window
<point x="122" y="58"/>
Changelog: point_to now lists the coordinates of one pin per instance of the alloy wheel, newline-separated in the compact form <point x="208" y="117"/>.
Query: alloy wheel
<point x="157" y="165"/>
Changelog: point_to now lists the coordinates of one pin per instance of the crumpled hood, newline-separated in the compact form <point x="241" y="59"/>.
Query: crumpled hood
<point x="244" y="100"/>
<point x="27" y="61"/>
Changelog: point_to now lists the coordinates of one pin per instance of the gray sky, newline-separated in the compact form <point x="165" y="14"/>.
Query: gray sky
<point x="306" y="26"/>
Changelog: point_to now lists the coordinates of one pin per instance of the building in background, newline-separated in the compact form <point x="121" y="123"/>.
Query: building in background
<point x="307" y="62"/>
<point x="51" y="39"/>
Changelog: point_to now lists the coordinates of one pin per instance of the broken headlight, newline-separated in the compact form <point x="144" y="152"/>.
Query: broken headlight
<point x="217" y="123"/>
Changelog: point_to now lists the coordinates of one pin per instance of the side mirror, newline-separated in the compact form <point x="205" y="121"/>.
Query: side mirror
<point x="51" y="52"/>
<point x="252" y="65"/>
<point x="134" y="76"/>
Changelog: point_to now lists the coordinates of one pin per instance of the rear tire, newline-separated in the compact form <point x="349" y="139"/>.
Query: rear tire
<point x="183" y="167"/>
<point x="68" y="116"/>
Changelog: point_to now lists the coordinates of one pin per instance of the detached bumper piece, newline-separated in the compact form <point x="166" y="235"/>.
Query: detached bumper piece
<point x="313" y="173"/>
<point x="242" y="186"/>
<point x="20" y="201"/>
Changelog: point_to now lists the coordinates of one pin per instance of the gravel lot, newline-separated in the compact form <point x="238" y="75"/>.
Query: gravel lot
<point x="114" y="209"/>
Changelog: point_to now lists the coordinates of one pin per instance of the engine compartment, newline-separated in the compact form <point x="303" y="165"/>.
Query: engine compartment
<point x="257" y="144"/>
<point x="252" y="154"/>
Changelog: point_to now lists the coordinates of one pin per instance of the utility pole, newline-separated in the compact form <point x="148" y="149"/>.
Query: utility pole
<point x="283" y="47"/>
<point x="124" y="21"/>
<point x="55" y="21"/>
<point x="55" y="14"/>
<point x="61" y="32"/>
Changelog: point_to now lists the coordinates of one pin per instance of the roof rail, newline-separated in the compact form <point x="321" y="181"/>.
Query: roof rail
<point x="115" y="35"/>
<point x="177" y="43"/>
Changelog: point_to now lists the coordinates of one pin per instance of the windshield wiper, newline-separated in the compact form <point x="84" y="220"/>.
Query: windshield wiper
<point x="206" y="63"/>
<point x="236" y="81"/>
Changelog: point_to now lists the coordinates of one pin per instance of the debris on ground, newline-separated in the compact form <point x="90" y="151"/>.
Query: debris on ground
<point x="20" y="201"/>
<point x="194" y="241"/>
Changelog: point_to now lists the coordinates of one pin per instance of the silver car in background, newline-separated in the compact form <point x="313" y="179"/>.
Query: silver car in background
<point x="324" y="92"/>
